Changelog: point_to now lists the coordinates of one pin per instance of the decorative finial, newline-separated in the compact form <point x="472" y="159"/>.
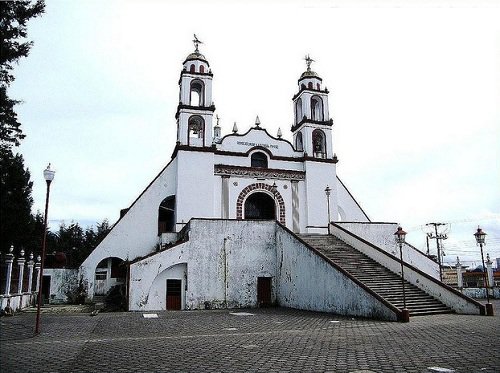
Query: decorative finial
<point x="31" y="256"/>
<point x="22" y="252"/>
<point x="196" y="42"/>
<point x="38" y="258"/>
<point x="217" y="118"/>
<point x="257" y="121"/>
<point x="235" y="128"/>
<point x="309" y="60"/>
<point x="11" y="249"/>
<point x="279" y="133"/>
<point x="488" y="260"/>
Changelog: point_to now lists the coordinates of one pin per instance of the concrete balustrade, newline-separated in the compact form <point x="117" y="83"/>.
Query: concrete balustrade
<point x="16" y="298"/>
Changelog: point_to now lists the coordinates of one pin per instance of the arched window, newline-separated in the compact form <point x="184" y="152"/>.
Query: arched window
<point x="318" y="86"/>
<point x="191" y="68"/>
<point x="259" y="160"/>
<point x="298" y="110"/>
<point x="196" y="127"/>
<point x="196" y="97"/>
<point x="299" y="144"/>
<point x="310" y="85"/>
<point x="166" y="215"/>
<point x="316" y="108"/>
<point x="202" y="69"/>
<point x="319" y="143"/>
<point x="302" y="86"/>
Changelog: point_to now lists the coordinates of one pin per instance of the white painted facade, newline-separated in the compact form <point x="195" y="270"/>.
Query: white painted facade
<point x="220" y="176"/>
<point x="204" y="233"/>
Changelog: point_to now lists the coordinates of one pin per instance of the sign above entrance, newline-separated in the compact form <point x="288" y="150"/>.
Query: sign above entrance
<point x="244" y="143"/>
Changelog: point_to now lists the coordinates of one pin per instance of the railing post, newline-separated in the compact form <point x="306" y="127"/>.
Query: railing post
<point x="31" y="263"/>
<point x="460" y="279"/>
<point x="20" y="262"/>
<point x="489" y="270"/>
<point x="9" y="259"/>
<point x="38" y="265"/>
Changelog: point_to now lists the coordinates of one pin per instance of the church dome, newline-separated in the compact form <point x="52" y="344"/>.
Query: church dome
<point x="196" y="56"/>
<point x="309" y="74"/>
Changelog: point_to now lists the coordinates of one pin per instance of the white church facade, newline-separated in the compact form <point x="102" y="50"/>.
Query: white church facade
<point x="224" y="224"/>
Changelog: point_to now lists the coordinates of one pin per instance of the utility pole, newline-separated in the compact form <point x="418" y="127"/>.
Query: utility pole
<point x="438" y="237"/>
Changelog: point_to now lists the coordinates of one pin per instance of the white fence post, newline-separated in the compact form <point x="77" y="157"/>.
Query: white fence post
<point x="20" y="262"/>
<point x="460" y="281"/>
<point x="38" y="265"/>
<point x="9" y="259"/>
<point x="31" y="263"/>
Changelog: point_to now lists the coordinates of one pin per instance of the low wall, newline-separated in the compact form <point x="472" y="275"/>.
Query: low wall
<point x="18" y="301"/>
<point x="382" y="236"/>
<point x="480" y="293"/>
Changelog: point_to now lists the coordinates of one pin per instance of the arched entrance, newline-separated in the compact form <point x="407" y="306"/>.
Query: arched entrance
<point x="260" y="205"/>
<point x="109" y="272"/>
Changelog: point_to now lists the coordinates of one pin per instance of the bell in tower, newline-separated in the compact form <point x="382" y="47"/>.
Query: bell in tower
<point x="195" y="110"/>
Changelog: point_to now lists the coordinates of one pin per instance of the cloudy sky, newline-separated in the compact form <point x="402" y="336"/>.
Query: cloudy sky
<point x="415" y="99"/>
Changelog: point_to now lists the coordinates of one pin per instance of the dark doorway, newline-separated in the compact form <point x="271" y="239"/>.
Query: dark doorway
<point x="260" y="206"/>
<point x="46" y="289"/>
<point x="264" y="291"/>
<point x="174" y="292"/>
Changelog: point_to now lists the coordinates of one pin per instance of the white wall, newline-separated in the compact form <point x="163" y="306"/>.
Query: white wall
<point x="223" y="259"/>
<point x="307" y="281"/>
<point x="218" y="270"/>
<point x="62" y="281"/>
<point x="136" y="233"/>
<point x="382" y="236"/>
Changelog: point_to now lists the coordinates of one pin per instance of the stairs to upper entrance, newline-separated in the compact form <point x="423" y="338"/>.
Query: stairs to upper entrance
<point x="379" y="279"/>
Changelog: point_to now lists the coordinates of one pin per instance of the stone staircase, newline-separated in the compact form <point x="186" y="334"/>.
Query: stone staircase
<point x="375" y="276"/>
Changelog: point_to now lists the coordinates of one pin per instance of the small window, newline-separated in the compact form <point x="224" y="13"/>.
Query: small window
<point x="316" y="108"/>
<point x="302" y="86"/>
<point x="299" y="145"/>
<point x="197" y="93"/>
<point x="310" y="85"/>
<point x="318" y="86"/>
<point x="259" y="160"/>
<point x="202" y="69"/>
<point x="298" y="110"/>
<point x="191" y="68"/>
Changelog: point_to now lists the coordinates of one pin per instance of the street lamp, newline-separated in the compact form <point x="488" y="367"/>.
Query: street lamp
<point x="481" y="240"/>
<point x="327" y="192"/>
<point x="48" y="175"/>
<point x="400" y="239"/>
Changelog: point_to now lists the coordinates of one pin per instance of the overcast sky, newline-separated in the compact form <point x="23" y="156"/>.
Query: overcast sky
<point x="414" y="95"/>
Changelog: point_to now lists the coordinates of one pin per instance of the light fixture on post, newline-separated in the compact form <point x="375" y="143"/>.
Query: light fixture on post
<point x="48" y="175"/>
<point x="328" y="192"/>
<point x="481" y="240"/>
<point x="400" y="240"/>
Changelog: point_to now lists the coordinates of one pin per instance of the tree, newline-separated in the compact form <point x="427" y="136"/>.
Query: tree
<point x="14" y="16"/>
<point x="16" y="221"/>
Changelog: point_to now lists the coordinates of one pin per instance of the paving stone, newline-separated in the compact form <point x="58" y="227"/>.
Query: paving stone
<point x="271" y="340"/>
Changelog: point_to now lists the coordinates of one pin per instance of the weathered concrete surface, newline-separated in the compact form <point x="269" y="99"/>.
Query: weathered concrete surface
<point x="272" y="340"/>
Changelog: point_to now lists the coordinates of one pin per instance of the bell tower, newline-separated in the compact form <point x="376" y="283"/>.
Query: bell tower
<point x="195" y="111"/>
<point x="312" y="128"/>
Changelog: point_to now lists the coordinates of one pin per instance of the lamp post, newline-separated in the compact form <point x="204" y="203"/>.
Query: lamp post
<point x="327" y="192"/>
<point x="48" y="175"/>
<point x="400" y="239"/>
<point x="481" y="240"/>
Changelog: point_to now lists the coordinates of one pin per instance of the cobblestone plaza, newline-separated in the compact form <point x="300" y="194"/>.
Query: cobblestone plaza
<point x="256" y="340"/>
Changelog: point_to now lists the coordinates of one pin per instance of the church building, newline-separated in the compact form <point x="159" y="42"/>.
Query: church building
<point x="250" y="219"/>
